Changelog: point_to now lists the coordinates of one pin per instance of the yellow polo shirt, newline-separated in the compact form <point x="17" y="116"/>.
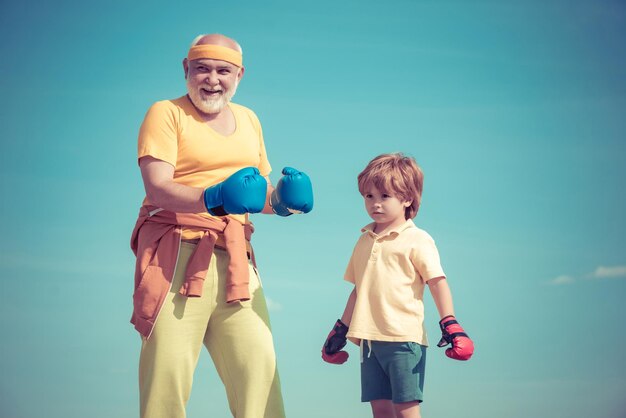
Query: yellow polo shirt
<point x="389" y="272"/>
<point x="172" y="131"/>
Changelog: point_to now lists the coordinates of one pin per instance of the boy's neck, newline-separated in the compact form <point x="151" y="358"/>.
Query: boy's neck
<point x="380" y="229"/>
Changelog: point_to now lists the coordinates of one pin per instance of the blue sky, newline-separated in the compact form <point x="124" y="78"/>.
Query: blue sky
<point x="515" y="111"/>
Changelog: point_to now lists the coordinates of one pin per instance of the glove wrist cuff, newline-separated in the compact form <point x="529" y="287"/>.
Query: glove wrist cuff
<point x="277" y="207"/>
<point x="212" y="201"/>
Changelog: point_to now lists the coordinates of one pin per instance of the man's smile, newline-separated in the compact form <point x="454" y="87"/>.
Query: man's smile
<point x="210" y="92"/>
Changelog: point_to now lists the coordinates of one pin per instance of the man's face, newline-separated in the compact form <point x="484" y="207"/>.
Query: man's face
<point x="211" y="83"/>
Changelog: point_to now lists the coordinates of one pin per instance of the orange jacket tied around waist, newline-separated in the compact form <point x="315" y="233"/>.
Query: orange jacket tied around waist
<point x="156" y="241"/>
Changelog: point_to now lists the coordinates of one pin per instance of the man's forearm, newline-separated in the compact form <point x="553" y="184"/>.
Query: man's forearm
<point x="178" y="198"/>
<point x="267" y="209"/>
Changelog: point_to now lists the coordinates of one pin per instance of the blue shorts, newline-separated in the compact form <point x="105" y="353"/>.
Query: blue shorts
<point x="392" y="370"/>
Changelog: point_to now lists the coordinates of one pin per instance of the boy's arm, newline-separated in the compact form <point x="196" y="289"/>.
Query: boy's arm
<point x="442" y="296"/>
<point x="346" y="318"/>
<point x="451" y="331"/>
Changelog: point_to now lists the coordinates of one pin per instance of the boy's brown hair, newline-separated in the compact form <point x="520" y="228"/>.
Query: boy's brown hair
<point x="397" y="175"/>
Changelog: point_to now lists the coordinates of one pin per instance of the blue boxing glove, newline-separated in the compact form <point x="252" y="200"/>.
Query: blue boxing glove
<point x="293" y="194"/>
<point x="242" y="192"/>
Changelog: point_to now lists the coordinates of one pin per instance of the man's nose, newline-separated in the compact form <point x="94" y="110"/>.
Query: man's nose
<point x="212" y="78"/>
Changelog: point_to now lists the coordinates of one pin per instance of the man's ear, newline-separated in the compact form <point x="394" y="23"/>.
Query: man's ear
<point x="240" y="74"/>
<point x="186" y="67"/>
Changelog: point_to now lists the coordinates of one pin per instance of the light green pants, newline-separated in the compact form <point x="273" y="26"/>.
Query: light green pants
<point x="237" y="335"/>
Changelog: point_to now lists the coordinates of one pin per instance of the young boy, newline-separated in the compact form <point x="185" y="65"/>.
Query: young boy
<point x="390" y="264"/>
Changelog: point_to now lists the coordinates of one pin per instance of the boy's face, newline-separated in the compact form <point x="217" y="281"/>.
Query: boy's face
<point x="384" y="208"/>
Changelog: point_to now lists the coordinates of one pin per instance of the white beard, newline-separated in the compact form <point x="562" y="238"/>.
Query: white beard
<point x="210" y="105"/>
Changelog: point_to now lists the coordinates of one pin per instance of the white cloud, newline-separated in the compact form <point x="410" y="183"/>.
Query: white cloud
<point x="273" y="305"/>
<point x="561" y="280"/>
<point x="603" y="272"/>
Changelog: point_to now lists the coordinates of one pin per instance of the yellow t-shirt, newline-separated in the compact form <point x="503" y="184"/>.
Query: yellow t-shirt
<point x="389" y="272"/>
<point x="173" y="131"/>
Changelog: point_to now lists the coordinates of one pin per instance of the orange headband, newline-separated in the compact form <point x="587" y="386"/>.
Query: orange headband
<point x="215" y="52"/>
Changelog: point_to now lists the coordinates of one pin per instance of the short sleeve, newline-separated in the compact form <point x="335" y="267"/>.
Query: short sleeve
<point x="425" y="258"/>
<point x="349" y="274"/>
<point x="158" y="135"/>
<point x="264" y="165"/>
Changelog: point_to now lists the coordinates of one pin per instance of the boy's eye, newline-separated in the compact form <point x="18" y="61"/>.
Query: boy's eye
<point x="368" y="196"/>
<point x="386" y="196"/>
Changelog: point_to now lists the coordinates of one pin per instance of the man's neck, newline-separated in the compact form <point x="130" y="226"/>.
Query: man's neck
<point x="223" y="121"/>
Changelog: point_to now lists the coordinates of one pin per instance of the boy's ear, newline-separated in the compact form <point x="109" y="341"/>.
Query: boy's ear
<point x="408" y="203"/>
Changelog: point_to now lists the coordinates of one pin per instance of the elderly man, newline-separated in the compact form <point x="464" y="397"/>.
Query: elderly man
<point x="205" y="168"/>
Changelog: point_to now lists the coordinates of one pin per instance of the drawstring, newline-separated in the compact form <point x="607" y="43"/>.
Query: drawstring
<point x="369" y="349"/>
<point x="361" y="351"/>
<point x="155" y="211"/>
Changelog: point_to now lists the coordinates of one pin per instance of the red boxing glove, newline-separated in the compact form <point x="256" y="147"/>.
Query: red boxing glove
<point x="452" y="333"/>
<point x="335" y="341"/>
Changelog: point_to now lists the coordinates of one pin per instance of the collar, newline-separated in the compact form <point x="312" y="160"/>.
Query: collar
<point x="369" y="228"/>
